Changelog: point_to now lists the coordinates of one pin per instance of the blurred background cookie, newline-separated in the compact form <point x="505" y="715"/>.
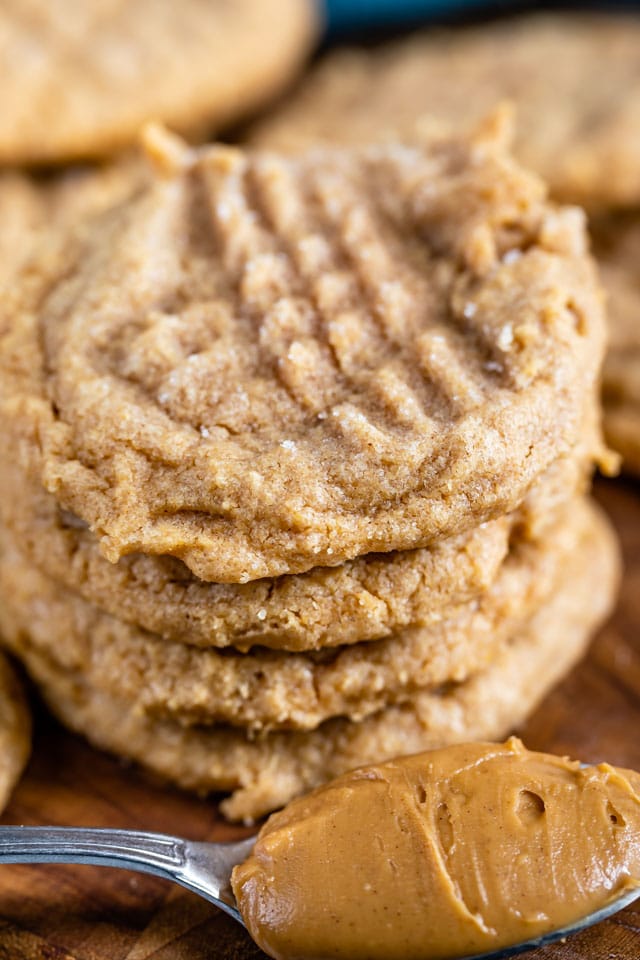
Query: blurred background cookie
<point x="573" y="78"/>
<point x="617" y="247"/>
<point x="30" y="206"/>
<point x="78" y="80"/>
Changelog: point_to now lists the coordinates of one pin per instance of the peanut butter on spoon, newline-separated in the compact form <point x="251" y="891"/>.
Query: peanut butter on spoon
<point x="445" y="854"/>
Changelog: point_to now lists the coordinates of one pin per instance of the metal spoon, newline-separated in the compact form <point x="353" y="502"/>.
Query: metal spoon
<point x="204" y="868"/>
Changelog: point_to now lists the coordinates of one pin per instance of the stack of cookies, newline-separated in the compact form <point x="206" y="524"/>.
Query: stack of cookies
<point x="294" y="453"/>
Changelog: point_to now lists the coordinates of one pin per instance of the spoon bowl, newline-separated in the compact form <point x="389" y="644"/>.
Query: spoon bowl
<point x="203" y="868"/>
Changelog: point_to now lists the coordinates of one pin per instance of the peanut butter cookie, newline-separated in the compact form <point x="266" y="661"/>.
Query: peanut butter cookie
<point x="79" y="79"/>
<point x="362" y="599"/>
<point x="271" y="690"/>
<point x="261" y="365"/>
<point x="264" y="774"/>
<point x="574" y="79"/>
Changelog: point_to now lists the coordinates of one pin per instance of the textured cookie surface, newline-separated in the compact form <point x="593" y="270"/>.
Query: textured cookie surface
<point x="577" y="126"/>
<point x="78" y="80"/>
<point x="15" y="730"/>
<point x="617" y="247"/>
<point x="263" y="365"/>
<point x="268" y="772"/>
<point x="267" y="690"/>
<point x="362" y="599"/>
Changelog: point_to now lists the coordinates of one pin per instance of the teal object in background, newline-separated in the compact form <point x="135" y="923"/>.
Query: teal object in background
<point x="351" y="14"/>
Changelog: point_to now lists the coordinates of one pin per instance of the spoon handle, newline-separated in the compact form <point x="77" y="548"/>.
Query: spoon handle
<point x="130" y="849"/>
<point x="204" y="868"/>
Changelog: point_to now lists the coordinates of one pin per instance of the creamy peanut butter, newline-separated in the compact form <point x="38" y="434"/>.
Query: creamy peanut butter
<point x="444" y="854"/>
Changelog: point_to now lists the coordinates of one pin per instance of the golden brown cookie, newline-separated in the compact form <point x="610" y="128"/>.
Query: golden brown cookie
<point x="362" y="599"/>
<point x="266" y="690"/>
<point x="15" y="730"/>
<point x="574" y="79"/>
<point x="79" y="80"/>
<point x="264" y="774"/>
<point x="262" y="365"/>
<point x="617" y="247"/>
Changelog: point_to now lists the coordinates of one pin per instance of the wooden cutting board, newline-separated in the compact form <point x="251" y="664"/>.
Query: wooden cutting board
<point x="86" y="913"/>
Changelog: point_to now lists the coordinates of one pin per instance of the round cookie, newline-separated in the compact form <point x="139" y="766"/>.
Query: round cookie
<point x="617" y="248"/>
<point x="262" y="365"/>
<point x="79" y="80"/>
<point x="266" y="773"/>
<point x="363" y="599"/>
<point x="15" y="730"/>
<point x="576" y="126"/>
<point x="266" y="690"/>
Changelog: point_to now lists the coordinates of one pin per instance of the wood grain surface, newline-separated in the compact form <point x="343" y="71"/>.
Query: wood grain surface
<point x="86" y="913"/>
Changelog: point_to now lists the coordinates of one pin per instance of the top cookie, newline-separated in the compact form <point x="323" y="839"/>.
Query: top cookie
<point x="574" y="79"/>
<point x="260" y="365"/>
<point x="79" y="79"/>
